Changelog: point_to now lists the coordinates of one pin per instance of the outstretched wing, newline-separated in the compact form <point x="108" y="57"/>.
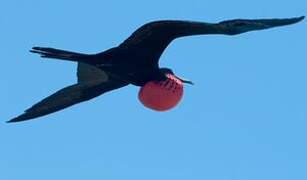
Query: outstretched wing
<point x="92" y="82"/>
<point x="154" y="37"/>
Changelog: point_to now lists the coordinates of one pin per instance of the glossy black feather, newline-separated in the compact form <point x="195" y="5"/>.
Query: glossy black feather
<point x="92" y="82"/>
<point x="154" y="37"/>
<point x="134" y="61"/>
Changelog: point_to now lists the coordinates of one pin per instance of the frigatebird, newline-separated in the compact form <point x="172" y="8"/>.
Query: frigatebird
<point x="134" y="61"/>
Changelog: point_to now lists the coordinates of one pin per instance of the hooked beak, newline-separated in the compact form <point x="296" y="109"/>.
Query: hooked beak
<point x="185" y="81"/>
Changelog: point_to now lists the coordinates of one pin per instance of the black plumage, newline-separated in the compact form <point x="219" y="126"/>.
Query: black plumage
<point x="135" y="61"/>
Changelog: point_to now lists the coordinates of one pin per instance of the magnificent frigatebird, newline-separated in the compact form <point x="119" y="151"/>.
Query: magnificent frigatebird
<point x="134" y="61"/>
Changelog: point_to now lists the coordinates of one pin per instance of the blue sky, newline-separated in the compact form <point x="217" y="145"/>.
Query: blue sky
<point x="245" y="117"/>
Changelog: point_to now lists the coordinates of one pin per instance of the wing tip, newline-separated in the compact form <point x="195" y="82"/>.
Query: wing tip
<point x="22" y="117"/>
<point x="294" y="20"/>
<point x="298" y="19"/>
<point x="301" y="18"/>
<point x="13" y="120"/>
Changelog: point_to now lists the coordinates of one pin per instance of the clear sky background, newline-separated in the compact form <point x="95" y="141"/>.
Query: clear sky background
<point x="245" y="117"/>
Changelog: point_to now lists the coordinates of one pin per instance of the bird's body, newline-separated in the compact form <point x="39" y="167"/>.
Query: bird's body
<point x="135" y="61"/>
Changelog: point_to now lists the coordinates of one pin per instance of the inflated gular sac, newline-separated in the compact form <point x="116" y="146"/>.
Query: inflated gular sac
<point x="161" y="95"/>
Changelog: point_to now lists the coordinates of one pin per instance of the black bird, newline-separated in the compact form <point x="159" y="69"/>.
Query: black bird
<point x="134" y="61"/>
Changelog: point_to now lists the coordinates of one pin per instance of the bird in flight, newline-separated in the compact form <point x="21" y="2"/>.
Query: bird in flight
<point x="135" y="61"/>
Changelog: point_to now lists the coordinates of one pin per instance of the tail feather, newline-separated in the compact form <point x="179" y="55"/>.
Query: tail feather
<point x="46" y="52"/>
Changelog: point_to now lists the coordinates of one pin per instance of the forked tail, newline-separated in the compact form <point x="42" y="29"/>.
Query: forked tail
<point x="45" y="52"/>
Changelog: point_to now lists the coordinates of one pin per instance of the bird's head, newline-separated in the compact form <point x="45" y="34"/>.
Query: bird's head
<point x="165" y="71"/>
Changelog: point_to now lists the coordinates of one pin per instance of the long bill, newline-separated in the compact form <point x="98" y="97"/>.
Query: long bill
<point x="186" y="81"/>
